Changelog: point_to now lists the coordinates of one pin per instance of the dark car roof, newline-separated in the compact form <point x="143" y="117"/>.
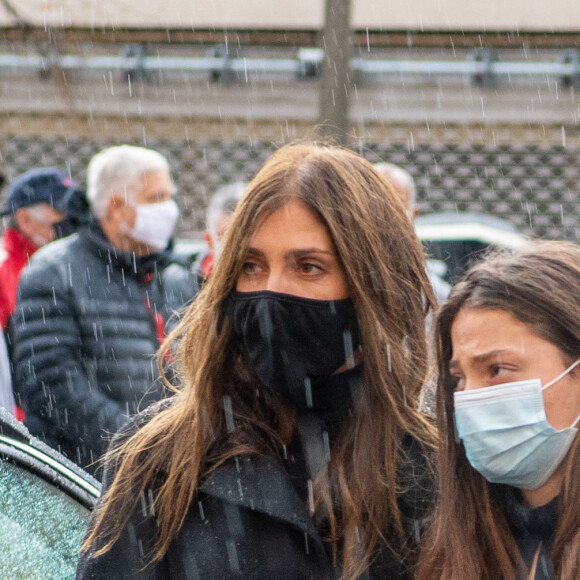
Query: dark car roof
<point x="18" y="446"/>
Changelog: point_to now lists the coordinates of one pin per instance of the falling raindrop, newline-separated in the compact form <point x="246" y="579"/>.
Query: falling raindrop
<point x="563" y="132"/>
<point x="229" y="414"/>
<point x="310" y="487"/>
<point x="308" y="389"/>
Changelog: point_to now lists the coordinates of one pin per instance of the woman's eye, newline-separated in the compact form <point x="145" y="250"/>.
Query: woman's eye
<point x="498" y="370"/>
<point x="310" y="268"/>
<point x="250" y="268"/>
<point x="457" y="382"/>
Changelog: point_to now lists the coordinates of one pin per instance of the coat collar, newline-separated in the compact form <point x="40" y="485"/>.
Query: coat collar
<point x="259" y="483"/>
<point x="143" y="269"/>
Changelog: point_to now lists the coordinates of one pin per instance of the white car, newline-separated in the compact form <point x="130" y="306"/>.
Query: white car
<point x="455" y="240"/>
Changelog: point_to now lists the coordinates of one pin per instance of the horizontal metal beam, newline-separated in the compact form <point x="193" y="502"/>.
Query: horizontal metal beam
<point x="283" y="65"/>
<point x="463" y="67"/>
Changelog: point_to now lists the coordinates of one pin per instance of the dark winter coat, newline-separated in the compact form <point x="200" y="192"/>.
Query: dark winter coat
<point x="533" y="530"/>
<point x="249" y="522"/>
<point x="88" y="322"/>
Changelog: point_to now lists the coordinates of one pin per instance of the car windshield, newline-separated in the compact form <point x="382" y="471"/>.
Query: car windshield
<point x="41" y="528"/>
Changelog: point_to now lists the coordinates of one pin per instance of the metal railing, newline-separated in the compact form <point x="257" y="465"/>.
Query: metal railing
<point x="482" y="66"/>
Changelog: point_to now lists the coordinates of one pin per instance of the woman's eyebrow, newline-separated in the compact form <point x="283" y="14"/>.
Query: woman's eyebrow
<point x="492" y="354"/>
<point x="481" y="358"/>
<point x="255" y="253"/>
<point x="291" y="255"/>
<point x="453" y="365"/>
<point x="298" y="253"/>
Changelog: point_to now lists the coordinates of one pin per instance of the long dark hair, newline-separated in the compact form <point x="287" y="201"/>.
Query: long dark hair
<point x="469" y="537"/>
<point x="384" y="265"/>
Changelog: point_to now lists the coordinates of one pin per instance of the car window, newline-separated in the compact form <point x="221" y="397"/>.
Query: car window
<point x="458" y="255"/>
<point x="41" y="527"/>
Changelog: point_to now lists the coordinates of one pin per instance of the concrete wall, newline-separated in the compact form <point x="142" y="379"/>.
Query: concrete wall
<point x="558" y="15"/>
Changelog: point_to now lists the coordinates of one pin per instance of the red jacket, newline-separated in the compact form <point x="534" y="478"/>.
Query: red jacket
<point x="15" y="254"/>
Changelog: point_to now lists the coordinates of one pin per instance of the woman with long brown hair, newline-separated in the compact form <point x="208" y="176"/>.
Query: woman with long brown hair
<point x="508" y="405"/>
<point x="292" y="447"/>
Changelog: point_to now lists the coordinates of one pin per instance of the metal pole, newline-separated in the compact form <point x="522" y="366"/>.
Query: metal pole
<point x="336" y="81"/>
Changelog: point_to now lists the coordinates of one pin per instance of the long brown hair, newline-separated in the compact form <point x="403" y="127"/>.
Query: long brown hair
<point x="469" y="536"/>
<point x="384" y="265"/>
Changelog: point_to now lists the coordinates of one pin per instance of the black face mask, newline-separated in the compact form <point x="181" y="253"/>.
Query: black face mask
<point x="292" y="342"/>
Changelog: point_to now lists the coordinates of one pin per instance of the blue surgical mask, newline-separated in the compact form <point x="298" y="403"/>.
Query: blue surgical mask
<point x="506" y="435"/>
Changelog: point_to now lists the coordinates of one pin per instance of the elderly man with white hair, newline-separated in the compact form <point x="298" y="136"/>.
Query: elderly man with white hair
<point x="93" y="308"/>
<point x="404" y="185"/>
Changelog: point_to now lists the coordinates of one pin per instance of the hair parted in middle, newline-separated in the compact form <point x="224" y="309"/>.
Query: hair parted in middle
<point x="383" y="262"/>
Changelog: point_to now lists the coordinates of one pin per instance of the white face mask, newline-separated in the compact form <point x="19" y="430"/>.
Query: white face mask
<point x="155" y="223"/>
<point x="506" y="434"/>
<point x="218" y="248"/>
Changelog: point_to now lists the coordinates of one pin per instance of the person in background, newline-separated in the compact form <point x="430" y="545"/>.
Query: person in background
<point x="220" y="211"/>
<point x="36" y="206"/>
<point x="404" y="185"/>
<point x="92" y="308"/>
<point x="508" y="341"/>
<point x="293" y="447"/>
<point x="6" y="394"/>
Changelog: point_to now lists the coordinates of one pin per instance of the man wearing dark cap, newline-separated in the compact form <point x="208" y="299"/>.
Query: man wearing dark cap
<point x="35" y="205"/>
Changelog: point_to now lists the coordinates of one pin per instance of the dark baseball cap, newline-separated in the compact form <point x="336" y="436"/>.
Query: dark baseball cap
<point x="40" y="185"/>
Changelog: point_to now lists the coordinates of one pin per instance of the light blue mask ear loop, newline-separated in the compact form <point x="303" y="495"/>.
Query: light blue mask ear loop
<point x="568" y="370"/>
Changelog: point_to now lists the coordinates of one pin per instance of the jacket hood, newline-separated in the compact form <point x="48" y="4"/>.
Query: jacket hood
<point x="77" y="208"/>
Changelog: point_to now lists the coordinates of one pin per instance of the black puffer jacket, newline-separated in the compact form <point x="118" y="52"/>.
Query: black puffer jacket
<point x="85" y="332"/>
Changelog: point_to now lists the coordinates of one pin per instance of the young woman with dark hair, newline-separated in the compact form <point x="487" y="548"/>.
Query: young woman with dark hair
<point x="509" y="406"/>
<point x="293" y="447"/>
